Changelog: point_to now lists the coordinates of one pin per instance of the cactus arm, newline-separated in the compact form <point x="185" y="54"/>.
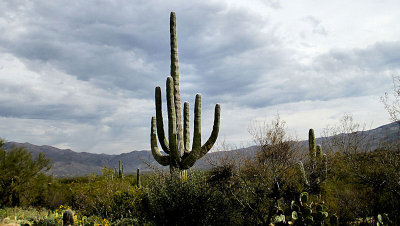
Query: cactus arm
<point x="311" y="141"/>
<point x="161" y="159"/>
<point x="160" y="124"/>
<point x="303" y="173"/>
<point x="214" y="134"/>
<point x="311" y="146"/>
<point x="196" y="152"/>
<point x="318" y="152"/>
<point x="189" y="160"/>
<point x="325" y="165"/>
<point x="197" y="123"/>
<point x="186" y="127"/>
<point x="173" y="148"/>
<point x="175" y="76"/>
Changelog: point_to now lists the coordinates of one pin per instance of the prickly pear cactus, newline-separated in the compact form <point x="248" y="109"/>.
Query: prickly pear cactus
<point x="305" y="212"/>
<point x="177" y="147"/>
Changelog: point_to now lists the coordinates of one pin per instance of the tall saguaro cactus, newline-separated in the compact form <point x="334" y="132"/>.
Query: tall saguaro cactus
<point x="177" y="147"/>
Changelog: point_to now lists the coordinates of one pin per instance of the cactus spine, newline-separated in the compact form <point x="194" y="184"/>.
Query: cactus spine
<point x="177" y="146"/>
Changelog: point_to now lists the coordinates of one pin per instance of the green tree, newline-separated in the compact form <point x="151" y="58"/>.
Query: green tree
<point x="18" y="172"/>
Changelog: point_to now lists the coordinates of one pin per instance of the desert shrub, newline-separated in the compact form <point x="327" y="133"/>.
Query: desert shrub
<point x="271" y="177"/>
<point x="171" y="201"/>
<point x="106" y="197"/>
<point x="41" y="216"/>
<point x="364" y="182"/>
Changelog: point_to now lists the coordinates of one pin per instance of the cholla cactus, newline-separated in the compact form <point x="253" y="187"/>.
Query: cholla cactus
<point x="177" y="146"/>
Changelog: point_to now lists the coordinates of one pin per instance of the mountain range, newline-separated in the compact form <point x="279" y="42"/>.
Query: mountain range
<point x="67" y="163"/>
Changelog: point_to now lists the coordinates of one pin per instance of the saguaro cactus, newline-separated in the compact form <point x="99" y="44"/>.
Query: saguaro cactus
<point x="138" y="183"/>
<point x="177" y="147"/>
<point x="318" y="165"/>
<point x="120" y="172"/>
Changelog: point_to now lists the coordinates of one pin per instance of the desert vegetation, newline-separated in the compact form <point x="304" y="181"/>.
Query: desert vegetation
<point x="284" y="183"/>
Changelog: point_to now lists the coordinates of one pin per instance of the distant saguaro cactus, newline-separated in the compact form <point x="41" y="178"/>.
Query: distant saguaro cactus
<point x="177" y="146"/>
<point x="318" y="165"/>
<point x="138" y="183"/>
<point x="120" y="169"/>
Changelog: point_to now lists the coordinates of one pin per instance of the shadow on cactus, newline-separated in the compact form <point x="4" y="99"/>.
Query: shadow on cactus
<point x="177" y="147"/>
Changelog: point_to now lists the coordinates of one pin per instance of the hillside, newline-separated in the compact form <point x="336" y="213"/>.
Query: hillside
<point x="67" y="163"/>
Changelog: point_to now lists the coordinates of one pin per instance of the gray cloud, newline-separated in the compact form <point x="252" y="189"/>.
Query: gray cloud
<point x="128" y="46"/>
<point x="96" y="63"/>
<point x="336" y="74"/>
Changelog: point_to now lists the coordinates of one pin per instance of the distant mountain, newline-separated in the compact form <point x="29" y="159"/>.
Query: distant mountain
<point x="67" y="163"/>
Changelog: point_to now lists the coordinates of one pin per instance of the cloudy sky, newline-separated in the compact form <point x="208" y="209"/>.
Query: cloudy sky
<point x="81" y="74"/>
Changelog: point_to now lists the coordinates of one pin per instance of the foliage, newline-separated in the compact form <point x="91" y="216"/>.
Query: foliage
<point x="39" y="216"/>
<point x="261" y="183"/>
<point x="107" y="196"/>
<point x="363" y="183"/>
<point x="392" y="102"/>
<point x="361" y="187"/>
<point x="22" y="181"/>
<point x="171" y="201"/>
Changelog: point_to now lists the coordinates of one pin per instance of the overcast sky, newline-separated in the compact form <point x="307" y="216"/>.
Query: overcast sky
<point x="81" y="74"/>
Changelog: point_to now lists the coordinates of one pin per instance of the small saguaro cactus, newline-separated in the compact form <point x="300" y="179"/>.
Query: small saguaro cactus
<point x="120" y="169"/>
<point x="138" y="183"/>
<point x="318" y="165"/>
<point x="177" y="147"/>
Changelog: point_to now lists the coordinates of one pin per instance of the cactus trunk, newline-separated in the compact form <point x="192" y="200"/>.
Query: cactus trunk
<point x="138" y="182"/>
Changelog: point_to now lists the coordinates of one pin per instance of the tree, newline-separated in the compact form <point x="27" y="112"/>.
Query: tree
<point x="18" y="172"/>
<point x="370" y="170"/>
<point x="270" y="179"/>
<point x="392" y="104"/>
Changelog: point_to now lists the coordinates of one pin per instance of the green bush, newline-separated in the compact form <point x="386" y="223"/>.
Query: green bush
<point x="21" y="177"/>
<point x="170" y="201"/>
<point x="106" y="196"/>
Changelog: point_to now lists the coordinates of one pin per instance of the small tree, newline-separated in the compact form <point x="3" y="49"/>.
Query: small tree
<point x="392" y="104"/>
<point x="268" y="180"/>
<point x="18" y="171"/>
